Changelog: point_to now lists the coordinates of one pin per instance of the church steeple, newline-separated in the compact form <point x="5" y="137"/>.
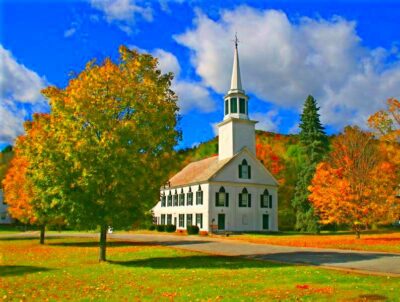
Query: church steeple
<point x="236" y="131"/>
<point x="236" y="99"/>
<point x="236" y="81"/>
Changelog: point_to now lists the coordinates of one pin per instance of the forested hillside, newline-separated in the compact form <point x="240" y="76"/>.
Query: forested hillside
<point x="281" y="155"/>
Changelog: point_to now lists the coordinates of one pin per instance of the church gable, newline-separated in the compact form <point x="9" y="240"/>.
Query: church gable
<point x="244" y="167"/>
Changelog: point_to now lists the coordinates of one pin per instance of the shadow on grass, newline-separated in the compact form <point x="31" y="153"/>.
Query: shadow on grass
<point x="201" y="262"/>
<point x="18" y="270"/>
<point x="322" y="257"/>
<point x="111" y="244"/>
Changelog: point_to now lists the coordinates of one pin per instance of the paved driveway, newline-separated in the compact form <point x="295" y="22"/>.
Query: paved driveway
<point x="373" y="262"/>
<point x="353" y="260"/>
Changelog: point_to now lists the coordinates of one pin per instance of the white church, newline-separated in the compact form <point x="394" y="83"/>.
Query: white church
<point x="232" y="191"/>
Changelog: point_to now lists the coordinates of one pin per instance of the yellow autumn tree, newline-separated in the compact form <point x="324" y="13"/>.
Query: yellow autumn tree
<point x="115" y="127"/>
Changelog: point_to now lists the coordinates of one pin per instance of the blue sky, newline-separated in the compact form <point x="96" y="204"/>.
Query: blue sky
<point x="346" y="54"/>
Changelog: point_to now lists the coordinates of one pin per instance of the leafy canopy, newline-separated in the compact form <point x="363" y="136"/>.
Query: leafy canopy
<point x="115" y="128"/>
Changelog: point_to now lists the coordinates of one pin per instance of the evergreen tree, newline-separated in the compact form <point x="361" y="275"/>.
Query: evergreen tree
<point x="314" y="144"/>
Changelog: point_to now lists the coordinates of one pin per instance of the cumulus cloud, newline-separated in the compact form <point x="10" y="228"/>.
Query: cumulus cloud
<point x="19" y="95"/>
<point x="191" y="95"/>
<point x="268" y="121"/>
<point x="284" y="61"/>
<point x="123" y="12"/>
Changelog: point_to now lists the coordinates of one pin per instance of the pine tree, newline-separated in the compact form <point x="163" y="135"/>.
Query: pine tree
<point x="314" y="144"/>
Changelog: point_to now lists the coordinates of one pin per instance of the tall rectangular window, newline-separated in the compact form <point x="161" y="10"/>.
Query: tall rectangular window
<point x="169" y="219"/>
<point x="242" y="106"/>
<point x="181" y="220"/>
<point x="182" y="199"/>
<point x="226" y="107"/>
<point x="175" y="200"/>
<point x="199" y="220"/>
<point x="234" y="105"/>
<point x="162" y="218"/>
<point x="189" y="200"/>
<point x="189" y="219"/>
<point x="163" y="198"/>
<point x="199" y="197"/>
<point x="169" y="204"/>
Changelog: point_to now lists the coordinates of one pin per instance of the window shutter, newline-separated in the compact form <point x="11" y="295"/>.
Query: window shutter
<point x="227" y="199"/>
<point x="270" y="201"/>
<point x="240" y="171"/>
<point x="216" y="199"/>
<point x="249" y="171"/>
<point x="240" y="199"/>
<point x="249" y="197"/>
<point x="261" y="201"/>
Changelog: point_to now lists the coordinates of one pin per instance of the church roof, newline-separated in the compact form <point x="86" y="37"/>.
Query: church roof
<point x="198" y="171"/>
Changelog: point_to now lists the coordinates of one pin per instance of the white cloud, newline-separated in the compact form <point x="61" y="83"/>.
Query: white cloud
<point x="69" y="32"/>
<point x="19" y="95"/>
<point x="268" y="121"/>
<point x="191" y="95"/>
<point x="284" y="61"/>
<point x="167" y="62"/>
<point x="123" y="12"/>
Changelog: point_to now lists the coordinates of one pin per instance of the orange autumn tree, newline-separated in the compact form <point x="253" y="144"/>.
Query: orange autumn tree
<point x="387" y="122"/>
<point x="356" y="184"/>
<point x="18" y="189"/>
<point x="28" y="185"/>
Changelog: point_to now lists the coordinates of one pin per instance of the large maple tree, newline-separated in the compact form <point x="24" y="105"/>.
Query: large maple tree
<point x="115" y="124"/>
<point x="356" y="185"/>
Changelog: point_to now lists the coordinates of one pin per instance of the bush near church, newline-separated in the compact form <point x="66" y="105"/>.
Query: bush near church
<point x="192" y="230"/>
<point x="161" y="227"/>
<point x="170" y="228"/>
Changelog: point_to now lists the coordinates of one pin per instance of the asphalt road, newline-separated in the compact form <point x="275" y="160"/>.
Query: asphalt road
<point x="370" y="262"/>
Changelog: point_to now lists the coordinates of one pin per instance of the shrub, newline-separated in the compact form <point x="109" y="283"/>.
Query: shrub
<point x="170" y="228"/>
<point x="192" y="229"/>
<point x="161" y="227"/>
<point x="152" y="227"/>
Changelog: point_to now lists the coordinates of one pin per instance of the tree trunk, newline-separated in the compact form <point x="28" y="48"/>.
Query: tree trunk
<point x="42" y="231"/>
<point x="103" y="243"/>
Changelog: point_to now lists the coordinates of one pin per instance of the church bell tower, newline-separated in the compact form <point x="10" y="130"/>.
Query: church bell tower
<point x="236" y="131"/>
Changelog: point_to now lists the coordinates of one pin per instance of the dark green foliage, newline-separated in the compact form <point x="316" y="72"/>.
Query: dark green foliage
<point x="192" y="229"/>
<point x="161" y="227"/>
<point x="170" y="228"/>
<point x="314" y="145"/>
<point x="152" y="227"/>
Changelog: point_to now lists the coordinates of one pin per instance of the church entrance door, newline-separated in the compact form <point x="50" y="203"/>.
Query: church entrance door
<point x="221" y="221"/>
<point x="265" y="221"/>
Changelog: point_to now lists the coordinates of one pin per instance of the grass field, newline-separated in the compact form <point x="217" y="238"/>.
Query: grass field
<point x="383" y="241"/>
<point x="67" y="269"/>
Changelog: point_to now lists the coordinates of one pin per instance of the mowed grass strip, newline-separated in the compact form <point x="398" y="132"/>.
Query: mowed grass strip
<point x="67" y="269"/>
<point x="388" y="241"/>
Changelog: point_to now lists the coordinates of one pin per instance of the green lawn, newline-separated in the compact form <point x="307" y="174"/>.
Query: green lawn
<point x="67" y="269"/>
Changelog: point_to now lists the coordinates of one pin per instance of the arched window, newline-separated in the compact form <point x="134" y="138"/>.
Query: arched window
<point x="163" y="199"/>
<point x="182" y="198"/>
<point x="169" y="204"/>
<point x="189" y="199"/>
<point x="266" y="199"/>
<point x="176" y="198"/>
<point x="244" y="170"/>
<point x="199" y="196"/>
<point x="244" y="199"/>
<point x="221" y="198"/>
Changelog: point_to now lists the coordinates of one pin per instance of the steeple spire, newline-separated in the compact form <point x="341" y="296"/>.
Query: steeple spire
<point x="236" y="81"/>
